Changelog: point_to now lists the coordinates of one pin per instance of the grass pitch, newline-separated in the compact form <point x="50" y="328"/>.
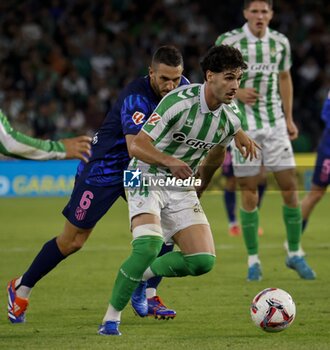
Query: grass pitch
<point x="67" y="306"/>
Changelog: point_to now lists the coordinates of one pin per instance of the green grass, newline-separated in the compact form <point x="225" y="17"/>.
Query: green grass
<point x="213" y="310"/>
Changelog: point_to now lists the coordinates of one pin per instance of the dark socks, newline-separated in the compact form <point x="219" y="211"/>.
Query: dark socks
<point x="304" y="224"/>
<point x="261" y="192"/>
<point x="230" y="205"/>
<point x="48" y="257"/>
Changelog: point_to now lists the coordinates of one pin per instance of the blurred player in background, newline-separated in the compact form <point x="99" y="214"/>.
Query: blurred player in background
<point x="229" y="194"/>
<point x="14" y="144"/>
<point x="190" y="125"/>
<point x="265" y="101"/>
<point x="99" y="183"/>
<point x="321" y="176"/>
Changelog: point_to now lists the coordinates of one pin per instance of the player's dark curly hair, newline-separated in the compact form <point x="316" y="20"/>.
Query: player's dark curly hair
<point x="168" y="55"/>
<point x="221" y="58"/>
<point x="248" y="2"/>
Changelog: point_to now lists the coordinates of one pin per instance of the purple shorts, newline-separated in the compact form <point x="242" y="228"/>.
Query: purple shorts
<point x="321" y="176"/>
<point x="89" y="203"/>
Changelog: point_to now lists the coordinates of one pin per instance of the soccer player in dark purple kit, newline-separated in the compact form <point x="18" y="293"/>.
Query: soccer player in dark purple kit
<point x="99" y="183"/>
<point x="321" y="176"/>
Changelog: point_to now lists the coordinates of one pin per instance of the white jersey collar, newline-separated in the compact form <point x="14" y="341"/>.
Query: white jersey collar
<point x="204" y="107"/>
<point x="252" y="38"/>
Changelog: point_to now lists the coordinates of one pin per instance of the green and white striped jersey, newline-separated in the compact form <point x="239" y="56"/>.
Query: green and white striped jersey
<point x="265" y="57"/>
<point x="183" y="126"/>
<point x="17" y="145"/>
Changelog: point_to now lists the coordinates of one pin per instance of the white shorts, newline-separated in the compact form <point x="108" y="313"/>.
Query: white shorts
<point x="276" y="153"/>
<point x="177" y="210"/>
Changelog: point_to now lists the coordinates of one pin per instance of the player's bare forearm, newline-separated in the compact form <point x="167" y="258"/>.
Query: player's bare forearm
<point x="286" y="92"/>
<point x="143" y="149"/>
<point x="210" y="164"/>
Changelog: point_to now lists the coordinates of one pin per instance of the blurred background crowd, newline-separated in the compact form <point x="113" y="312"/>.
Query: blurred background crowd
<point x="63" y="62"/>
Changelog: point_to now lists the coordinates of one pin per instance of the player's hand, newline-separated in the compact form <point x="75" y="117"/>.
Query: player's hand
<point x="247" y="147"/>
<point x="179" y="168"/>
<point x="292" y="130"/>
<point x="77" y="147"/>
<point x="248" y="95"/>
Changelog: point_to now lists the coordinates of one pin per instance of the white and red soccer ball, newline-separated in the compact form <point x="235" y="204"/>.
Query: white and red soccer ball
<point x="273" y="310"/>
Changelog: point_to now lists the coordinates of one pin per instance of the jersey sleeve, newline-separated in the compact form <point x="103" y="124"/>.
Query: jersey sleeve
<point x="286" y="60"/>
<point x="234" y="124"/>
<point x="162" y="119"/>
<point x="220" y="39"/>
<point x="134" y="113"/>
<point x="17" y="145"/>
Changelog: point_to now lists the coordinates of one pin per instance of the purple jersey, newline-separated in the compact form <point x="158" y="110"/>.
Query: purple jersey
<point x="321" y="176"/>
<point x="324" y="145"/>
<point x="110" y="157"/>
<point x="99" y="183"/>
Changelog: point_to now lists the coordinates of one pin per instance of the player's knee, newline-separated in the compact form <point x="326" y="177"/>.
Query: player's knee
<point x="290" y="198"/>
<point x="249" y="199"/>
<point x="200" y="264"/>
<point x="147" y="243"/>
<point x="317" y="196"/>
<point x="71" y="243"/>
<point x="76" y="245"/>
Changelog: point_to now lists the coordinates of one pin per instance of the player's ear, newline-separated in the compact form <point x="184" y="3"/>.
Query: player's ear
<point x="209" y="75"/>
<point x="271" y="13"/>
<point x="245" y="14"/>
<point x="150" y="71"/>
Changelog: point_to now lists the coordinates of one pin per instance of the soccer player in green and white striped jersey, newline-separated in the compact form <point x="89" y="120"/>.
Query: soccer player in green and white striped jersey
<point x="191" y="124"/>
<point x="17" y="145"/>
<point x="197" y="129"/>
<point x="265" y="101"/>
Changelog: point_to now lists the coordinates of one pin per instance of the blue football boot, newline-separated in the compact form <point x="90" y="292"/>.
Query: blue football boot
<point x="254" y="272"/>
<point x="157" y="309"/>
<point x="299" y="264"/>
<point x="109" y="328"/>
<point x="16" y="305"/>
<point x="139" y="300"/>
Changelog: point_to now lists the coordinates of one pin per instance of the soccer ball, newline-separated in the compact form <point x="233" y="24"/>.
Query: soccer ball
<point x="273" y="310"/>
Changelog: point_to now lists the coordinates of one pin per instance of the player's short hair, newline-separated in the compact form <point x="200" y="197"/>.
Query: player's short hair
<point x="248" y="2"/>
<point x="168" y="55"/>
<point x="221" y="58"/>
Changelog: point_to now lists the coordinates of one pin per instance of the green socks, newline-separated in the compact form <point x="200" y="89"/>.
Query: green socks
<point x="175" y="264"/>
<point x="293" y="223"/>
<point x="145" y="250"/>
<point x="250" y="225"/>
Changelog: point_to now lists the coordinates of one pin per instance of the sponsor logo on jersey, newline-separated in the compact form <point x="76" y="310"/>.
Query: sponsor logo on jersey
<point x="95" y="139"/>
<point x="154" y="119"/>
<point x="194" y="143"/>
<point x="138" y="117"/>
<point x="263" y="67"/>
